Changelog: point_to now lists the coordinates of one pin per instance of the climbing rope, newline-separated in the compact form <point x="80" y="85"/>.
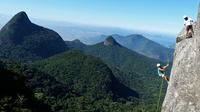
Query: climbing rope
<point x="160" y="95"/>
<point x="169" y="56"/>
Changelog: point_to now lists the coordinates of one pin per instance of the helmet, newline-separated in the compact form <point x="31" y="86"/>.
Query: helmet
<point x="158" y="65"/>
<point x="184" y="16"/>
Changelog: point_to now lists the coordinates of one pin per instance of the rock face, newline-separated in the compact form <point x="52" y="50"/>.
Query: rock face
<point x="111" y="41"/>
<point x="183" y="93"/>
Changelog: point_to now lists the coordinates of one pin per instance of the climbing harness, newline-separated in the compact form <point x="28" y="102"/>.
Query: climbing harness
<point x="158" y="104"/>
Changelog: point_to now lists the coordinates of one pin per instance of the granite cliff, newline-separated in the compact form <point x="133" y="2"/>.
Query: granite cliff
<point x="183" y="93"/>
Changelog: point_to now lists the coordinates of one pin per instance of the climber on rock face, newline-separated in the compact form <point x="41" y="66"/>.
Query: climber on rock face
<point x="161" y="71"/>
<point x="188" y="23"/>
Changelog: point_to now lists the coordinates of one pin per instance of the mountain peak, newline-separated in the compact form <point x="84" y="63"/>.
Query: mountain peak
<point x="16" y="29"/>
<point x="20" y="18"/>
<point x="111" y="41"/>
<point x="32" y="40"/>
<point x="22" y="13"/>
<point x="136" y="36"/>
<point x="77" y="41"/>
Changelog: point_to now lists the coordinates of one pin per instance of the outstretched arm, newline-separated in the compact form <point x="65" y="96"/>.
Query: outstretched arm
<point x="163" y="69"/>
<point x="165" y="66"/>
<point x="193" y="21"/>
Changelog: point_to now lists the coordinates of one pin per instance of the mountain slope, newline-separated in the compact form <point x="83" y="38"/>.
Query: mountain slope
<point x="82" y="68"/>
<point x="76" y="44"/>
<point x="72" y="81"/>
<point x="15" y="96"/>
<point x="45" y="87"/>
<point x="116" y="55"/>
<point x="86" y="78"/>
<point x="22" y="40"/>
<point x="132" y="69"/>
<point x="145" y="46"/>
<point x="137" y="43"/>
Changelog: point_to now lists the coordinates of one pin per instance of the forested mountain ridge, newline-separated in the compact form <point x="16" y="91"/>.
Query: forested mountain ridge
<point x="74" y="67"/>
<point x="15" y="96"/>
<point x="22" y="40"/>
<point x="146" y="47"/>
<point x="71" y="79"/>
<point x="132" y="69"/>
<point x="114" y="54"/>
<point x="76" y="44"/>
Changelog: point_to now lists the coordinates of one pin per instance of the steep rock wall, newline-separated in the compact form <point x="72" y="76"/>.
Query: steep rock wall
<point x="183" y="93"/>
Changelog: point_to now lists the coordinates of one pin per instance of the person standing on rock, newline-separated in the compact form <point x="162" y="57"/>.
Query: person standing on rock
<point x="161" y="71"/>
<point x="188" y="23"/>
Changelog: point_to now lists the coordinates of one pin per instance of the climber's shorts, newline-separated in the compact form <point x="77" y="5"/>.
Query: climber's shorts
<point x="189" y="27"/>
<point x="161" y="75"/>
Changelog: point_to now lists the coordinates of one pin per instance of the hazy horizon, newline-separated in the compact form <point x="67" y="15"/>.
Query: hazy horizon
<point x="158" y="16"/>
<point x="91" y="34"/>
<point x="61" y="23"/>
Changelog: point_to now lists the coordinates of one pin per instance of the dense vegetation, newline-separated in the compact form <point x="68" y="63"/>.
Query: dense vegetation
<point x="132" y="69"/>
<point x="85" y="76"/>
<point x="24" y="41"/>
<point x="70" y="80"/>
<point x="15" y="96"/>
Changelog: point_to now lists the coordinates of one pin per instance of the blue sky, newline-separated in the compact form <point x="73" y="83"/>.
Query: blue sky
<point x="151" y="15"/>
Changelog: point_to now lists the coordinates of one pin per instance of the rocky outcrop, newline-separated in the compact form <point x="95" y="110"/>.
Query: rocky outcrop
<point x="110" y="41"/>
<point x="183" y="93"/>
<point x="181" y="36"/>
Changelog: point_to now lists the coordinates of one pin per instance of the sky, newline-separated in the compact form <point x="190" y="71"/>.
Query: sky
<point x="163" y="16"/>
